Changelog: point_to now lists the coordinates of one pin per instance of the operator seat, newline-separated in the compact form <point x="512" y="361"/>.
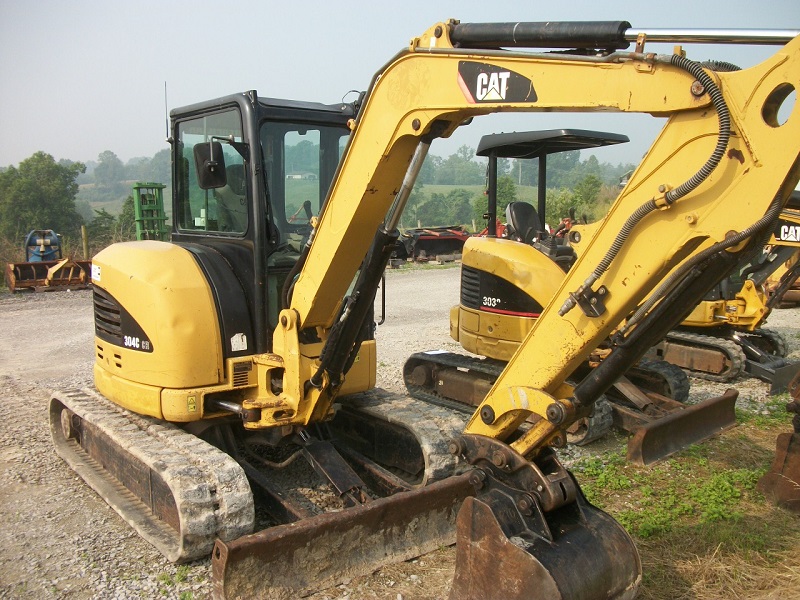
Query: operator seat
<point x="523" y="223"/>
<point x="232" y="204"/>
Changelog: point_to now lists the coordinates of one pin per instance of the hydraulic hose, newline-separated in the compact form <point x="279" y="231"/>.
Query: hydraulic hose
<point x="760" y="226"/>
<point x="724" y="116"/>
<point x="672" y="196"/>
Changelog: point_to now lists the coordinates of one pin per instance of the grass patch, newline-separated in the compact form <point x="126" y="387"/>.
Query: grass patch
<point x="702" y="528"/>
<point x="181" y="574"/>
<point x="772" y="412"/>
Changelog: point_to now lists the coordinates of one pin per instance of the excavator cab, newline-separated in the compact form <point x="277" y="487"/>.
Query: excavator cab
<point x="244" y="166"/>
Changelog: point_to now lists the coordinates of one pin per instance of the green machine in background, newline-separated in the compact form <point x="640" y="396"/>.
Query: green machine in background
<point x="148" y="203"/>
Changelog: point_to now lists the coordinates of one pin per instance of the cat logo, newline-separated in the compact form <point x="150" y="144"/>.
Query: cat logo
<point x="492" y="86"/>
<point x="482" y="82"/>
<point x="789" y="233"/>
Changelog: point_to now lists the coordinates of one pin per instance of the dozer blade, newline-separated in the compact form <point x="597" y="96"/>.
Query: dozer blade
<point x="682" y="427"/>
<point x="289" y="560"/>
<point x="588" y="555"/>
<point x="777" y="373"/>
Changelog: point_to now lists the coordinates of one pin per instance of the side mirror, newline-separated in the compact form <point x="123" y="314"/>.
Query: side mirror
<point x="209" y="161"/>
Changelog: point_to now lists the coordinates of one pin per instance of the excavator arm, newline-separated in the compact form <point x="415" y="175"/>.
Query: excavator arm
<point x="723" y="156"/>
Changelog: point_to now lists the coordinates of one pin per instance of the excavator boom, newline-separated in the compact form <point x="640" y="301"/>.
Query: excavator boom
<point x="737" y="131"/>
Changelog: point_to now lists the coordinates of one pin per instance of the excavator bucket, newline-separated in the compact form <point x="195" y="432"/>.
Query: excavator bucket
<point x="661" y="427"/>
<point x="585" y="555"/>
<point x="781" y="483"/>
<point x="529" y="532"/>
<point x="286" y="561"/>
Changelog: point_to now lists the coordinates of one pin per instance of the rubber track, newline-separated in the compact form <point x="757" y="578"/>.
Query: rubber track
<point x="772" y="338"/>
<point x="674" y="377"/>
<point x="730" y="349"/>
<point x="451" y="360"/>
<point x="589" y="429"/>
<point x="210" y="490"/>
<point x="433" y="426"/>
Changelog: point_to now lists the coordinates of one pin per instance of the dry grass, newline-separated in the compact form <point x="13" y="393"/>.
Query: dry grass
<point x="751" y="557"/>
<point x="703" y="531"/>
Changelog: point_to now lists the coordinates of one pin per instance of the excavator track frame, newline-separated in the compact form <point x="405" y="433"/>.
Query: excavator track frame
<point x="702" y="356"/>
<point x="177" y="491"/>
<point x="659" y="426"/>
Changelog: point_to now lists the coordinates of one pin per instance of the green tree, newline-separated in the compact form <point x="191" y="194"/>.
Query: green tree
<point x="102" y="229"/>
<point x="427" y="174"/>
<point x="460" y="169"/>
<point x="159" y="168"/>
<point x="84" y="209"/>
<point x="559" y="203"/>
<point x="410" y="215"/>
<point x="459" y="207"/>
<point x="40" y="194"/>
<point x="109" y="172"/>
<point x="433" y="212"/>
<point x="506" y="193"/>
<point x="588" y="189"/>
<point x="126" y="222"/>
<point x="137" y="168"/>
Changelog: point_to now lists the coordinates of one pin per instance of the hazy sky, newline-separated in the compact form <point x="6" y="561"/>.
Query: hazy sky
<point x="81" y="77"/>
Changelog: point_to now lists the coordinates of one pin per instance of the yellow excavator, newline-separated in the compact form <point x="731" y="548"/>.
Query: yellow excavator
<point x="781" y="284"/>
<point x="246" y="343"/>
<point x="724" y="336"/>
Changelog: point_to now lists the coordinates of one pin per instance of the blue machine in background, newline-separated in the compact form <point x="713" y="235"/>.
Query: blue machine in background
<point x="45" y="268"/>
<point x="42" y="245"/>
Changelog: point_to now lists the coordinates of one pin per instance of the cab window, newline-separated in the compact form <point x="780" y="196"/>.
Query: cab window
<point x="300" y="162"/>
<point x="224" y="209"/>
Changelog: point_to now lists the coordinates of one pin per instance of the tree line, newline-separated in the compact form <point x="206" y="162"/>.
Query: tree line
<point x="63" y="195"/>
<point x="42" y="193"/>
<point x="586" y="187"/>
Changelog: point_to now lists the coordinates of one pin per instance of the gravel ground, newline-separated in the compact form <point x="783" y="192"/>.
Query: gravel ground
<point x="60" y="540"/>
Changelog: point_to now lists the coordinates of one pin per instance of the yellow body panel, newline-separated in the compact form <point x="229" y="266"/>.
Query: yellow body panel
<point x="746" y="311"/>
<point x="136" y="397"/>
<point x="164" y="291"/>
<point x="494" y="334"/>
<point x="486" y="334"/>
